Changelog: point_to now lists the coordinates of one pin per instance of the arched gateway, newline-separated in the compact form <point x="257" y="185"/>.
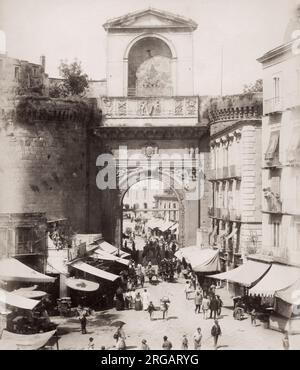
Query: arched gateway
<point x="151" y="125"/>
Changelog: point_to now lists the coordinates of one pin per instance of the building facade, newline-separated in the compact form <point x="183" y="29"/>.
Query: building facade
<point x="167" y="207"/>
<point x="281" y="149"/>
<point x="235" y="176"/>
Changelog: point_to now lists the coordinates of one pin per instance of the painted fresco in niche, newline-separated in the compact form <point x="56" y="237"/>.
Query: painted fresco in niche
<point x="149" y="68"/>
<point x="153" y="77"/>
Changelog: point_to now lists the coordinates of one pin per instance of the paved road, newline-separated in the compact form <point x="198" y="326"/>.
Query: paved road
<point x="182" y="320"/>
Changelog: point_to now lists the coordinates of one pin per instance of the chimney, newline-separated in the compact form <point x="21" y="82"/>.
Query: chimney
<point x="43" y="62"/>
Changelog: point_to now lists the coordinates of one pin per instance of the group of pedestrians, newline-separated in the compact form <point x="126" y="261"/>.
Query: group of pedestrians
<point x="210" y="303"/>
<point x="216" y="332"/>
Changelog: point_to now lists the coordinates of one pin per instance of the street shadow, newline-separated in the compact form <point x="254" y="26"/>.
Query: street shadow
<point x="222" y="317"/>
<point x="172" y="318"/>
<point x="222" y="346"/>
<point x="131" y="347"/>
<point x="63" y="330"/>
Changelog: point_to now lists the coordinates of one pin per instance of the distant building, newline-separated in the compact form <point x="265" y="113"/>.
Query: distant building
<point x="281" y="150"/>
<point x="19" y="77"/>
<point x="235" y="175"/>
<point x="167" y="207"/>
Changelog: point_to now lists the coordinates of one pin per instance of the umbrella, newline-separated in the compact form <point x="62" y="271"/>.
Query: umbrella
<point x="118" y="323"/>
<point x="30" y="293"/>
<point x="81" y="284"/>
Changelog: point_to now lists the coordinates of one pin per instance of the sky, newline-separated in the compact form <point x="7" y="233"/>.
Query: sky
<point x="69" y="29"/>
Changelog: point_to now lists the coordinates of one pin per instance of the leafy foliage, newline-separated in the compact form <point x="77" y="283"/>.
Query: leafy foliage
<point x="74" y="81"/>
<point x="257" y="86"/>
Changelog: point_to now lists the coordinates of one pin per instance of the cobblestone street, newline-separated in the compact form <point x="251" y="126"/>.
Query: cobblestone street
<point x="237" y="335"/>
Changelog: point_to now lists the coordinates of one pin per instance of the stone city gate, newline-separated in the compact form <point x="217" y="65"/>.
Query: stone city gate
<point x="174" y="155"/>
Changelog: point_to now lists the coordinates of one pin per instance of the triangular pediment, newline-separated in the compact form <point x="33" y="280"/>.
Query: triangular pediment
<point x="150" y="18"/>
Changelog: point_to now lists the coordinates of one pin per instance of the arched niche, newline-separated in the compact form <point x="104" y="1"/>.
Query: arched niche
<point x="150" y="67"/>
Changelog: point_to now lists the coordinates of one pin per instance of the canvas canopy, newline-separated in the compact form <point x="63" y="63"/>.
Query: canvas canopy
<point x="247" y="274"/>
<point x="14" y="270"/>
<point x="290" y="294"/>
<point x="15" y="300"/>
<point x="100" y="254"/>
<point x="201" y="260"/>
<point x="279" y="277"/>
<point x="12" y="341"/>
<point x="82" y="266"/>
<point x="108" y="248"/>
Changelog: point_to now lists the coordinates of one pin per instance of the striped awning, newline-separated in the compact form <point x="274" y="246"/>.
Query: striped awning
<point x="278" y="277"/>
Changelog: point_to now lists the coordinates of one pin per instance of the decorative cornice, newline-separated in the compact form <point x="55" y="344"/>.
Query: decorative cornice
<point x="151" y="133"/>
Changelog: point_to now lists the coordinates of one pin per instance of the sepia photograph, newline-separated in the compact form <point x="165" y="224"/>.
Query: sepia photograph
<point x="149" y="177"/>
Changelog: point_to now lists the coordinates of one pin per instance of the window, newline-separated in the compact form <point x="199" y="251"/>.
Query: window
<point x="273" y="146"/>
<point x="276" y="88"/>
<point x="24" y="240"/>
<point x="276" y="235"/>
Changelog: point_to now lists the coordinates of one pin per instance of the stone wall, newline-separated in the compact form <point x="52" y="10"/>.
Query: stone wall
<point x="43" y="158"/>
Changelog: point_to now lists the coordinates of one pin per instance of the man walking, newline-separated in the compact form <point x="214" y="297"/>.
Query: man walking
<point x="216" y="332"/>
<point x="197" y="339"/>
<point x="205" y="307"/>
<point x="214" y="305"/>
<point x="167" y="345"/>
<point x="198" y="302"/>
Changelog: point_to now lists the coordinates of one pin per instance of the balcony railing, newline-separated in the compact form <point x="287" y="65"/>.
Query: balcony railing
<point x="225" y="214"/>
<point x="274" y="105"/>
<point x="225" y="173"/>
<point x="235" y="215"/>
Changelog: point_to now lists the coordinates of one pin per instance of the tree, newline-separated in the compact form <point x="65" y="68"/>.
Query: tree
<point x="257" y="86"/>
<point x="74" y="80"/>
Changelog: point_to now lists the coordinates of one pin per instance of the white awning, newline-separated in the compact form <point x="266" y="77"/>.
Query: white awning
<point x="12" y="341"/>
<point x="111" y="249"/>
<point x="82" y="266"/>
<point x="247" y="274"/>
<point x="165" y="225"/>
<point x="174" y="226"/>
<point x="15" y="300"/>
<point x="13" y="270"/>
<point x="278" y="277"/>
<point x="100" y="254"/>
<point x="290" y="294"/>
<point x="201" y="260"/>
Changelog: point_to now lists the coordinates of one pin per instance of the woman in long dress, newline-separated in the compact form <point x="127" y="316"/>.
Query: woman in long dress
<point x="138" y="302"/>
<point x="121" y="344"/>
<point x="146" y="299"/>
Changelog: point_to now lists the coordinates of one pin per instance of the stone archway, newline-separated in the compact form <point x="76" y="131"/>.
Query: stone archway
<point x="165" y="179"/>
